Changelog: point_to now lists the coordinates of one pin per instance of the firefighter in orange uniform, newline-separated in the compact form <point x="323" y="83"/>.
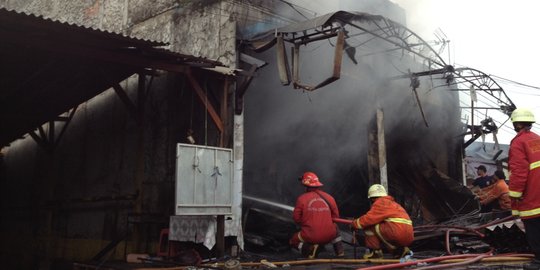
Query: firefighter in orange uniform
<point x="314" y="212"/>
<point x="385" y="223"/>
<point x="496" y="195"/>
<point x="524" y="185"/>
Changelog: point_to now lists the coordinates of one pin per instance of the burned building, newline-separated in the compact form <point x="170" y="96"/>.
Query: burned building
<point x="328" y="130"/>
<point x="97" y="95"/>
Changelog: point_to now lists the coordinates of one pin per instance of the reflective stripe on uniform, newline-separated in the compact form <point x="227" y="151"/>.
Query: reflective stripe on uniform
<point x="515" y="213"/>
<point x="379" y="235"/>
<point x="300" y="237"/>
<point x="515" y="194"/>
<point x="528" y="213"/>
<point x="357" y="223"/>
<point x="399" y="220"/>
<point x="534" y="165"/>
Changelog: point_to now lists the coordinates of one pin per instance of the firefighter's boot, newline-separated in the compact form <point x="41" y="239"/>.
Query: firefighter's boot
<point x="373" y="254"/>
<point x="401" y="252"/>
<point x="338" y="249"/>
<point x="310" y="250"/>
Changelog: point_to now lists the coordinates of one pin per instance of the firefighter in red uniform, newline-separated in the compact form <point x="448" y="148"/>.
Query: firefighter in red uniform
<point x="387" y="223"/>
<point x="524" y="166"/>
<point x="314" y="212"/>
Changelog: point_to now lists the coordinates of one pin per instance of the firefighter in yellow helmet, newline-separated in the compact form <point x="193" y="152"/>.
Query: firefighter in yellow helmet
<point x="524" y="185"/>
<point x="386" y="224"/>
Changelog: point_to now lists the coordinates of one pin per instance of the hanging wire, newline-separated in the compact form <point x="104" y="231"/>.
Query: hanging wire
<point x="515" y="82"/>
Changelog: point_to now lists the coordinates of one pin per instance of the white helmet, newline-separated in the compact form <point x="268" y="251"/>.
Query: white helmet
<point x="376" y="190"/>
<point x="522" y="115"/>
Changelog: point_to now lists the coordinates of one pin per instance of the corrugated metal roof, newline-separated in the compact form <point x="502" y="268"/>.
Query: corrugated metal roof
<point x="46" y="22"/>
<point x="81" y="33"/>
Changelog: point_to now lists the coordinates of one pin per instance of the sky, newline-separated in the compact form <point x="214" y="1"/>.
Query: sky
<point x="497" y="37"/>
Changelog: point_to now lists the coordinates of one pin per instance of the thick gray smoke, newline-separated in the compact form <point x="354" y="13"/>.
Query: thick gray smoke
<point x="290" y="131"/>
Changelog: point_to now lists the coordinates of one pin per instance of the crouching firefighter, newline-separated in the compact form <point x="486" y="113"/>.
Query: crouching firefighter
<point x="314" y="212"/>
<point x="386" y="223"/>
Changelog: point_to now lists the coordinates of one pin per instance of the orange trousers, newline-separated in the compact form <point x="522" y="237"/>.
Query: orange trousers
<point x="391" y="234"/>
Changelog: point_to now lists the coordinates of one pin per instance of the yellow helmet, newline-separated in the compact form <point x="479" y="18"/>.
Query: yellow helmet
<point x="522" y="115"/>
<point x="376" y="191"/>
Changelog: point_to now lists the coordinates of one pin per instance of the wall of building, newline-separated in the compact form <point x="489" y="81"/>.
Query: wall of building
<point x="69" y="204"/>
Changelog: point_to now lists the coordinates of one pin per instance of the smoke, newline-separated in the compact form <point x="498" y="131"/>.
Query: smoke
<point x="291" y="131"/>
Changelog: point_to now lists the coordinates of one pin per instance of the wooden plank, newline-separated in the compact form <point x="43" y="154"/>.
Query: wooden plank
<point x="204" y="99"/>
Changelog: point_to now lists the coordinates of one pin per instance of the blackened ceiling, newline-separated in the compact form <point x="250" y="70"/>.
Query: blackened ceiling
<point x="48" y="67"/>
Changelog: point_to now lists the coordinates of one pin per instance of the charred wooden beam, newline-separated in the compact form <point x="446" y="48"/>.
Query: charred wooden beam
<point x="242" y="89"/>
<point x="282" y="62"/>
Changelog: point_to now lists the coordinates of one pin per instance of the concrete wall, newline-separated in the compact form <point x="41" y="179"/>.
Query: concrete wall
<point x="203" y="28"/>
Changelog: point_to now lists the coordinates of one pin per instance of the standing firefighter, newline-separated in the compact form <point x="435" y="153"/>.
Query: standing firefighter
<point x="387" y="223"/>
<point x="524" y="165"/>
<point x="314" y="212"/>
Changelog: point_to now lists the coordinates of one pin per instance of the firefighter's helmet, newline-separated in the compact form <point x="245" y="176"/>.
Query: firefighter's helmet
<point x="376" y="190"/>
<point x="310" y="179"/>
<point x="522" y="115"/>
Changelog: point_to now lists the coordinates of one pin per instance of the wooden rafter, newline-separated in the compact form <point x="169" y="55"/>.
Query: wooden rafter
<point x="204" y="99"/>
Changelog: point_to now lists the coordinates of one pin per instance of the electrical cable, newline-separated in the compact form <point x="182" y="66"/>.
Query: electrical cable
<point x="515" y="82"/>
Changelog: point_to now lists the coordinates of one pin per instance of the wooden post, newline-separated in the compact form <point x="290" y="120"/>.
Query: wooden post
<point x="139" y="155"/>
<point x="220" y="221"/>
<point x="220" y="236"/>
<point x="223" y="140"/>
<point x="377" y="167"/>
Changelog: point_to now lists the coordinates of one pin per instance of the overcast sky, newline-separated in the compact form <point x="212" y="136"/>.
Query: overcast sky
<point x="497" y="37"/>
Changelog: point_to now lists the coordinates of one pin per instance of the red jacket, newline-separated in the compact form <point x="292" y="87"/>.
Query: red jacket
<point x="524" y="166"/>
<point x="315" y="215"/>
